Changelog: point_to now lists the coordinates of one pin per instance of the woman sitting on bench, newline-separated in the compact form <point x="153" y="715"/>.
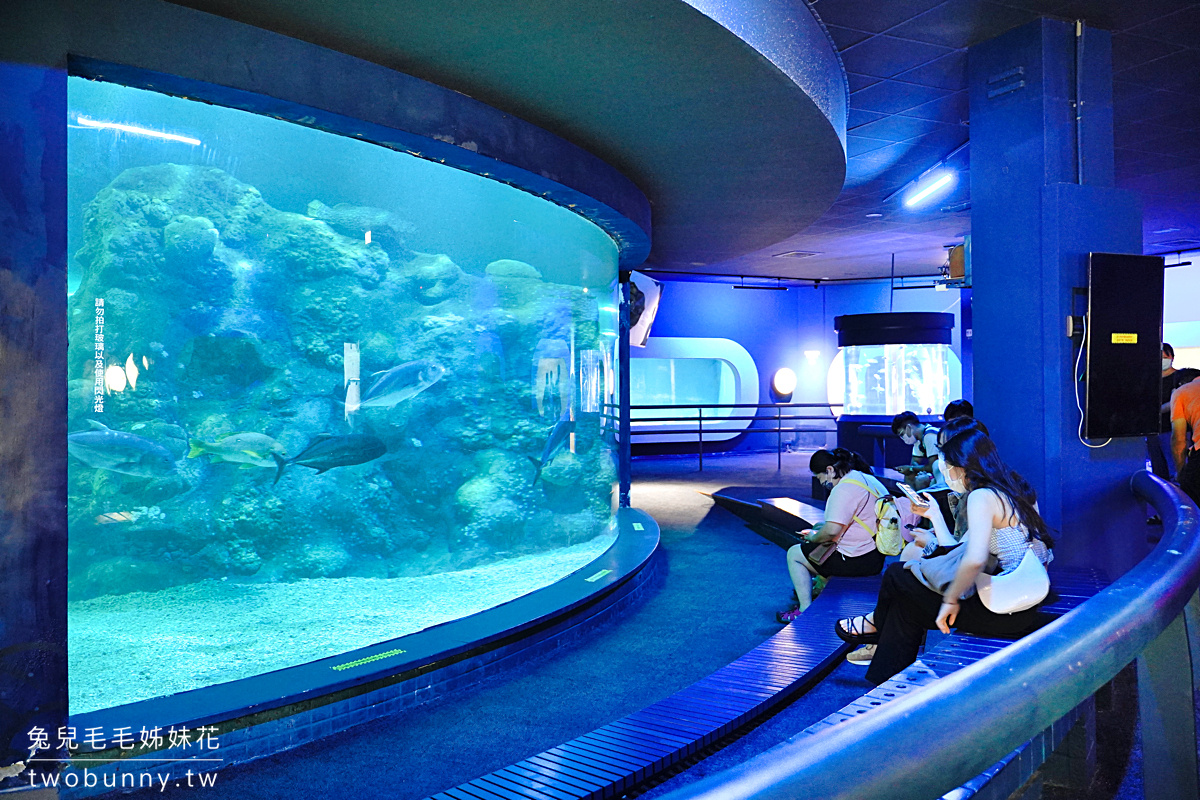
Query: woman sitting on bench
<point x="1002" y="523"/>
<point x="844" y="544"/>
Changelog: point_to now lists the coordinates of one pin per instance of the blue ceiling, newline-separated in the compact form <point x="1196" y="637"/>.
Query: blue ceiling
<point x="712" y="133"/>
<point x="906" y="63"/>
<point x="734" y="141"/>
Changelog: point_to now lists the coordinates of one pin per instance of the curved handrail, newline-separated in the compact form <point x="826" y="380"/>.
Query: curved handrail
<point x="929" y="742"/>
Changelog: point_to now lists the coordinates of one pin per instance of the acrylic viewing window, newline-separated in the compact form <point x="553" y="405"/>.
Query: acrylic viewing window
<point x="691" y="370"/>
<point x="322" y="394"/>
<point x="888" y="379"/>
<point x="679" y="381"/>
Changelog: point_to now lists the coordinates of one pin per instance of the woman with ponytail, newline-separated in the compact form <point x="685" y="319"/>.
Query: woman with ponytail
<point x="939" y="592"/>
<point x="844" y="544"/>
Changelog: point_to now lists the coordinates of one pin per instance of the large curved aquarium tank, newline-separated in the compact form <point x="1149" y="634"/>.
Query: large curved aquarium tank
<point x="323" y="394"/>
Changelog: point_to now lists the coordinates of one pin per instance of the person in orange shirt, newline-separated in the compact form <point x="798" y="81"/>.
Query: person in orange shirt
<point x="1185" y="416"/>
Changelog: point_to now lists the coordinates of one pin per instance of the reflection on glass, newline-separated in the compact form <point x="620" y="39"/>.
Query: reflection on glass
<point x="323" y="394"/>
<point x="591" y="381"/>
<point x="888" y="379"/>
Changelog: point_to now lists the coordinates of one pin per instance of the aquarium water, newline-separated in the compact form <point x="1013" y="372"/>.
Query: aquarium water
<point x="322" y="394"/>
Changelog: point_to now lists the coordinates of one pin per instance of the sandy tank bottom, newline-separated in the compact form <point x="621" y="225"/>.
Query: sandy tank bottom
<point x="130" y="647"/>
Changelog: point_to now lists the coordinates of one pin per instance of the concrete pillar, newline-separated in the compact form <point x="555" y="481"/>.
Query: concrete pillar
<point x="1042" y="197"/>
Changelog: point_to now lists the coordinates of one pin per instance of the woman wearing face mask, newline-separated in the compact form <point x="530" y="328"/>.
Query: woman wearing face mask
<point x="957" y="509"/>
<point x="844" y="544"/>
<point x="1002" y="523"/>
<point x="951" y="506"/>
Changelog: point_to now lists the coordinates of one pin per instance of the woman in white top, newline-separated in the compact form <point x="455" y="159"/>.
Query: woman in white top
<point x="1002" y="523"/>
<point x="844" y="544"/>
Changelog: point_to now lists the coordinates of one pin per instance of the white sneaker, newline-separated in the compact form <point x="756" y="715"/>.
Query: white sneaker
<point x="862" y="656"/>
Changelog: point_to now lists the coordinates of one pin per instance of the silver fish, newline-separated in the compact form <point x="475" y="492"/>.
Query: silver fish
<point x="401" y="383"/>
<point x="560" y="436"/>
<point x="117" y="451"/>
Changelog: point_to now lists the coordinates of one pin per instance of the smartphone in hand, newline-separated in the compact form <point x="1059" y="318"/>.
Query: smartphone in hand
<point x="909" y="492"/>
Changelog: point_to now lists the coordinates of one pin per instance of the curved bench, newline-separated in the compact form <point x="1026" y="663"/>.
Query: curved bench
<point x="611" y="759"/>
<point x="960" y="650"/>
<point x="985" y="710"/>
<point x="633" y="750"/>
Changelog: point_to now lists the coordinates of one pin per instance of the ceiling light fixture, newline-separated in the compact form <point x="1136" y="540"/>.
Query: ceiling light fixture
<point x="935" y="184"/>
<point x="776" y="288"/>
<point x="931" y="182"/>
<point x="873" y="216"/>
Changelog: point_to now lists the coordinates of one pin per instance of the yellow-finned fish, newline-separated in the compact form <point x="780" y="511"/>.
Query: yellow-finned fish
<point x="250" y="449"/>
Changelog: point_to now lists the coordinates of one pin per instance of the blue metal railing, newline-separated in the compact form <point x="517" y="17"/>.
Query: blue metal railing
<point x="692" y="424"/>
<point x="932" y="741"/>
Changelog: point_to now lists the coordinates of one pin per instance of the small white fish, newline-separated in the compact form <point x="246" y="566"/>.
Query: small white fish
<point x="416" y="443"/>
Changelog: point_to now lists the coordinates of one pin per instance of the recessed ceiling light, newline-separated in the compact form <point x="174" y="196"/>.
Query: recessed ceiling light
<point x="872" y="216"/>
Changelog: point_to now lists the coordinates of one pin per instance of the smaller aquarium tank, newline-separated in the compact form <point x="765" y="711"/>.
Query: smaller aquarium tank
<point x="889" y="363"/>
<point x="890" y="378"/>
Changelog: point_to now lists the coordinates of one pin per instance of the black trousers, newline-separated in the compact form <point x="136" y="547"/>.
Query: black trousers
<point x="839" y="566"/>
<point x="906" y="609"/>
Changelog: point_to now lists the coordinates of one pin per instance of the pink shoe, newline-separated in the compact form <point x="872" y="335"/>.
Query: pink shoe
<point x="788" y="616"/>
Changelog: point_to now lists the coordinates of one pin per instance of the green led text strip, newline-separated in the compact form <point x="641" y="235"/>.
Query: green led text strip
<point x="367" y="660"/>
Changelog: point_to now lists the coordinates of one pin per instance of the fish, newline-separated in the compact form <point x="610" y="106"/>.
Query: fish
<point x="117" y="451"/>
<point x="250" y="449"/>
<point x="559" y="437"/>
<point x="395" y="385"/>
<point x="327" y="451"/>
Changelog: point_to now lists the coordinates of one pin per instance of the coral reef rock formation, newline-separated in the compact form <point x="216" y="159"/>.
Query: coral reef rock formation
<point x="230" y="320"/>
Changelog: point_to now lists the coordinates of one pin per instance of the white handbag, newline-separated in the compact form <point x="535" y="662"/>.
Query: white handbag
<point x="1021" y="589"/>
